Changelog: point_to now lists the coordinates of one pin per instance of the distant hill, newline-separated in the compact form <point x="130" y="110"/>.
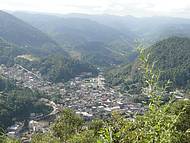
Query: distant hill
<point x="118" y="35"/>
<point x="79" y="37"/>
<point x="149" y="29"/>
<point x="82" y="29"/>
<point x="24" y="35"/>
<point x="173" y="59"/>
<point x="145" y="29"/>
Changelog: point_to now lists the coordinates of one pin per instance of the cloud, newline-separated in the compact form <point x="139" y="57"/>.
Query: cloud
<point x="117" y="7"/>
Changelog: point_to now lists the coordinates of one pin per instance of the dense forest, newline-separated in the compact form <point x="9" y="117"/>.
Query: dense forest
<point x="172" y="57"/>
<point x="57" y="68"/>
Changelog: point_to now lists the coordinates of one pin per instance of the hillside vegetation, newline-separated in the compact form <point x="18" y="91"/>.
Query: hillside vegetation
<point x="172" y="58"/>
<point x="57" y="68"/>
<point x="18" y="32"/>
<point x="85" y="39"/>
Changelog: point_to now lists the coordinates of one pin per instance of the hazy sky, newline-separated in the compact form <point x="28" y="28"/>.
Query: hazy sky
<point x="179" y="8"/>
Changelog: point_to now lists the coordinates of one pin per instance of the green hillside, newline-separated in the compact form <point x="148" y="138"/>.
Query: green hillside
<point x="57" y="68"/>
<point x="85" y="38"/>
<point x="172" y="57"/>
<point x="24" y="35"/>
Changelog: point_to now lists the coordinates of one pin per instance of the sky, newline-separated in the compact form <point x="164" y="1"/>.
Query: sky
<point x="176" y="8"/>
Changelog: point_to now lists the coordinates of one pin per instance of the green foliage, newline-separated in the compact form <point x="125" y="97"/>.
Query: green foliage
<point x="71" y="128"/>
<point x="100" y="54"/>
<point x="44" y="138"/>
<point x="6" y="85"/>
<point x="5" y="139"/>
<point x="118" y="76"/>
<point x="182" y="125"/>
<point x="67" y="125"/>
<point x="96" y="125"/>
<point x="172" y="56"/>
<point x="86" y="136"/>
<point x="9" y="140"/>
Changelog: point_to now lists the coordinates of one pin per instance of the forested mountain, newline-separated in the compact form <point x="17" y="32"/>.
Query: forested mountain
<point x="24" y="35"/>
<point x="109" y="40"/>
<point x="82" y="29"/>
<point x="172" y="57"/>
<point x="117" y="35"/>
<point x="154" y="29"/>
<point x="144" y="29"/>
<point x="83" y="37"/>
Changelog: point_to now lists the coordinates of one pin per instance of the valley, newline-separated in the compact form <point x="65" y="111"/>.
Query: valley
<point x="79" y="78"/>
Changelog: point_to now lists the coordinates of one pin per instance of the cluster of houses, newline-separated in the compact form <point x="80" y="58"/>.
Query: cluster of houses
<point x="30" y="79"/>
<point x="90" y="97"/>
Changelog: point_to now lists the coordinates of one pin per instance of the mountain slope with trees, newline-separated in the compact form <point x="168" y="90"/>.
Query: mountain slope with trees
<point x="57" y="68"/>
<point x="82" y="37"/>
<point x="24" y="35"/>
<point x="172" y="57"/>
<point x="115" y="34"/>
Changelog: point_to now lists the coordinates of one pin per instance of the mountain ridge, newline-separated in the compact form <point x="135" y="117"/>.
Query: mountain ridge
<point x="22" y="34"/>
